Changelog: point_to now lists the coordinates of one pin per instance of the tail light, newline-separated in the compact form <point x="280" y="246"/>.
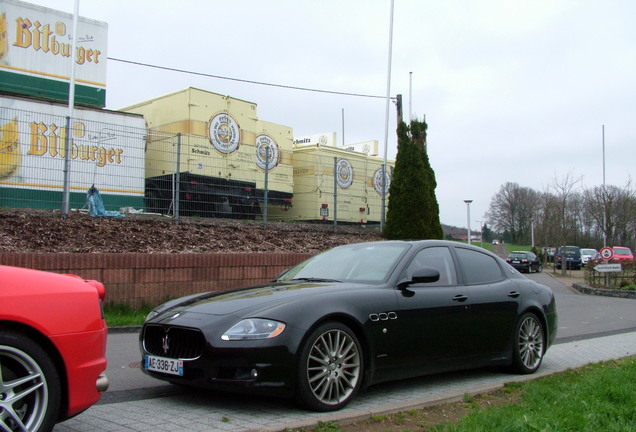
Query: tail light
<point x="101" y="293"/>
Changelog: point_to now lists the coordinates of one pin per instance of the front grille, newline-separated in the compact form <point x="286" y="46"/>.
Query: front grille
<point x="173" y="342"/>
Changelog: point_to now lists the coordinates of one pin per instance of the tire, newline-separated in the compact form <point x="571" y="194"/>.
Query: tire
<point x="540" y="268"/>
<point x="528" y="345"/>
<point x="330" y="368"/>
<point x="21" y="409"/>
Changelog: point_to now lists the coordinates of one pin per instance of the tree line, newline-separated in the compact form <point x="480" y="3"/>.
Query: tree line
<point x="565" y="213"/>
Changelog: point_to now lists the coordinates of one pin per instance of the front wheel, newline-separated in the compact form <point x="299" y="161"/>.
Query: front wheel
<point x="529" y="344"/>
<point x="330" y="368"/>
<point x="30" y="395"/>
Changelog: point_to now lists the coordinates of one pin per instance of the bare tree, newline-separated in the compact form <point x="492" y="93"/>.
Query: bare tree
<point x="512" y="210"/>
<point x="563" y="214"/>
<point x="548" y="219"/>
<point x="613" y="211"/>
<point x="565" y="191"/>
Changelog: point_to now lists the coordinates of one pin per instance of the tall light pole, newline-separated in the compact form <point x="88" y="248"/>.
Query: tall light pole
<point x="386" y="122"/>
<point x="604" y="196"/>
<point x="468" y="217"/>
<point x="66" y="192"/>
<point x="410" y="98"/>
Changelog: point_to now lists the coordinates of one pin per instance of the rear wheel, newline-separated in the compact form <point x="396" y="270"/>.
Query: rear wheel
<point x="529" y="344"/>
<point x="30" y="395"/>
<point x="330" y="368"/>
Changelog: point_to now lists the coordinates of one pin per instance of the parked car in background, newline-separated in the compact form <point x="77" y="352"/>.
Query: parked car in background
<point x="587" y="254"/>
<point x="597" y="259"/>
<point x="354" y="316"/>
<point x="622" y="255"/>
<point x="549" y="253"/>
<point x="525" y="261"/>
<point x="572" y="257"/>
<point x="52" y="348"/>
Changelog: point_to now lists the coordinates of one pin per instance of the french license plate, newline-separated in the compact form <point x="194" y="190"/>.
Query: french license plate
<point x="164" y="365"/>
<point x="516" y="262"/>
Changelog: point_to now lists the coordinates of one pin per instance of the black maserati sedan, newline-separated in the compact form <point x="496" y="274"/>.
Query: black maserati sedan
<point x="351" y="317"/>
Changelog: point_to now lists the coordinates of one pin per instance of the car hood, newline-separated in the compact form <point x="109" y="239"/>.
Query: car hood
<point x="251" y="299"/>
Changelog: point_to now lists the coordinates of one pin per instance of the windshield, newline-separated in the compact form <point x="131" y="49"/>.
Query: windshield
<point x="572" y="251"/>
<point x="621" y="251"/>
<point x="358" y="262"/>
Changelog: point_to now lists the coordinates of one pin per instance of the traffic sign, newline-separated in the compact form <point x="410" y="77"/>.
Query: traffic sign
<point x="607" y="253"/>
<point x="604" y="268"/>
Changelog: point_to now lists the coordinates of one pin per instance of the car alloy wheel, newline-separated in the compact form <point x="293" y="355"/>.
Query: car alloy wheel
<point x="331" y="366"/>
<point x="529" y="344"/>
<point x="29" y="385"/>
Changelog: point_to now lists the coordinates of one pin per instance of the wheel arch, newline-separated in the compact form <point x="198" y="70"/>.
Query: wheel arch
<point x="538" y="312"/>
<point x="50" y="348"/>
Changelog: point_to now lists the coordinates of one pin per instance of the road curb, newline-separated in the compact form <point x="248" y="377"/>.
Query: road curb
<point x="586" y="289"/>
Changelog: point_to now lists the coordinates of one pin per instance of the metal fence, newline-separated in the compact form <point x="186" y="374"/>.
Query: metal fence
<point x="33" y="152"/>
<point x="140" y="170"/>
<point x="626" y="277"/>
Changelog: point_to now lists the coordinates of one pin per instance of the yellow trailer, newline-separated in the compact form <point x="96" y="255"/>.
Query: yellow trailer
<point x="334" y="181"/>
<point x="220" y="147"/>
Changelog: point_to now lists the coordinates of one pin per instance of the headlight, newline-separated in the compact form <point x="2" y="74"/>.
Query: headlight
<point x="254" y="328"/>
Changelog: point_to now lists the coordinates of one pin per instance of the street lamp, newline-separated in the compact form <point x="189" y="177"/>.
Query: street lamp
<point x="532" y="232"/>
<point x="468" y="217"/>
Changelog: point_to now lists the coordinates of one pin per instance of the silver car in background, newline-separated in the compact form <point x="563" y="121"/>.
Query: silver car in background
<point x="587" y="254"/>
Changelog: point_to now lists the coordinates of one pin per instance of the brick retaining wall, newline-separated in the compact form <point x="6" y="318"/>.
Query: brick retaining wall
<point x="134" y="279"/>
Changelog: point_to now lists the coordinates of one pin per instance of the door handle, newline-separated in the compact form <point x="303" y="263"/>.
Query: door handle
<point x="460" y="298"/>
<point x="513" y="294"/>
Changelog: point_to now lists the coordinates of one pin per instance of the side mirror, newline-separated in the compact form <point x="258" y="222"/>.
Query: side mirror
<point x="421" y="275"/>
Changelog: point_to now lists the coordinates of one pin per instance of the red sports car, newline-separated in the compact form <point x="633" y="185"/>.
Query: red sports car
<point x="52" y="347"/>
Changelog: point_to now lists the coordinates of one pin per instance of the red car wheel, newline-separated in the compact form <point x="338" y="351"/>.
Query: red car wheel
<point x="29" y="385"/>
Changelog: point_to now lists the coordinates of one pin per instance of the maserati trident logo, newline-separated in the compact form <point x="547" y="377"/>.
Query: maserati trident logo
<point x="165" y="344"/>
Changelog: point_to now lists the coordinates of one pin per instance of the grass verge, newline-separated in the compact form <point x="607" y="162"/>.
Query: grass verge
<point x="597" y="397"/>
<point x="118" y="315"/>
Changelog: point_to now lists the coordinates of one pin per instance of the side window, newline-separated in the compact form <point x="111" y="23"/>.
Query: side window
<point x="438" y="258"/>
<point x="478" y="267"/>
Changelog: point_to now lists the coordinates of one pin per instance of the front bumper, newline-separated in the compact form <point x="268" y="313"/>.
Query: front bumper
<point x="259" y="366"/>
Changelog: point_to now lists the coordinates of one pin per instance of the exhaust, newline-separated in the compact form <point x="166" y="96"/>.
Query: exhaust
<point x="102" y="383"/>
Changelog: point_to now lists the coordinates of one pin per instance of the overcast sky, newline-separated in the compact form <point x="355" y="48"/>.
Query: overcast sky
<point x="512" y="91"/>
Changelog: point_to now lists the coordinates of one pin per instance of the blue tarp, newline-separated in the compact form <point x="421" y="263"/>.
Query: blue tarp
<point x="96" y="205"/>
